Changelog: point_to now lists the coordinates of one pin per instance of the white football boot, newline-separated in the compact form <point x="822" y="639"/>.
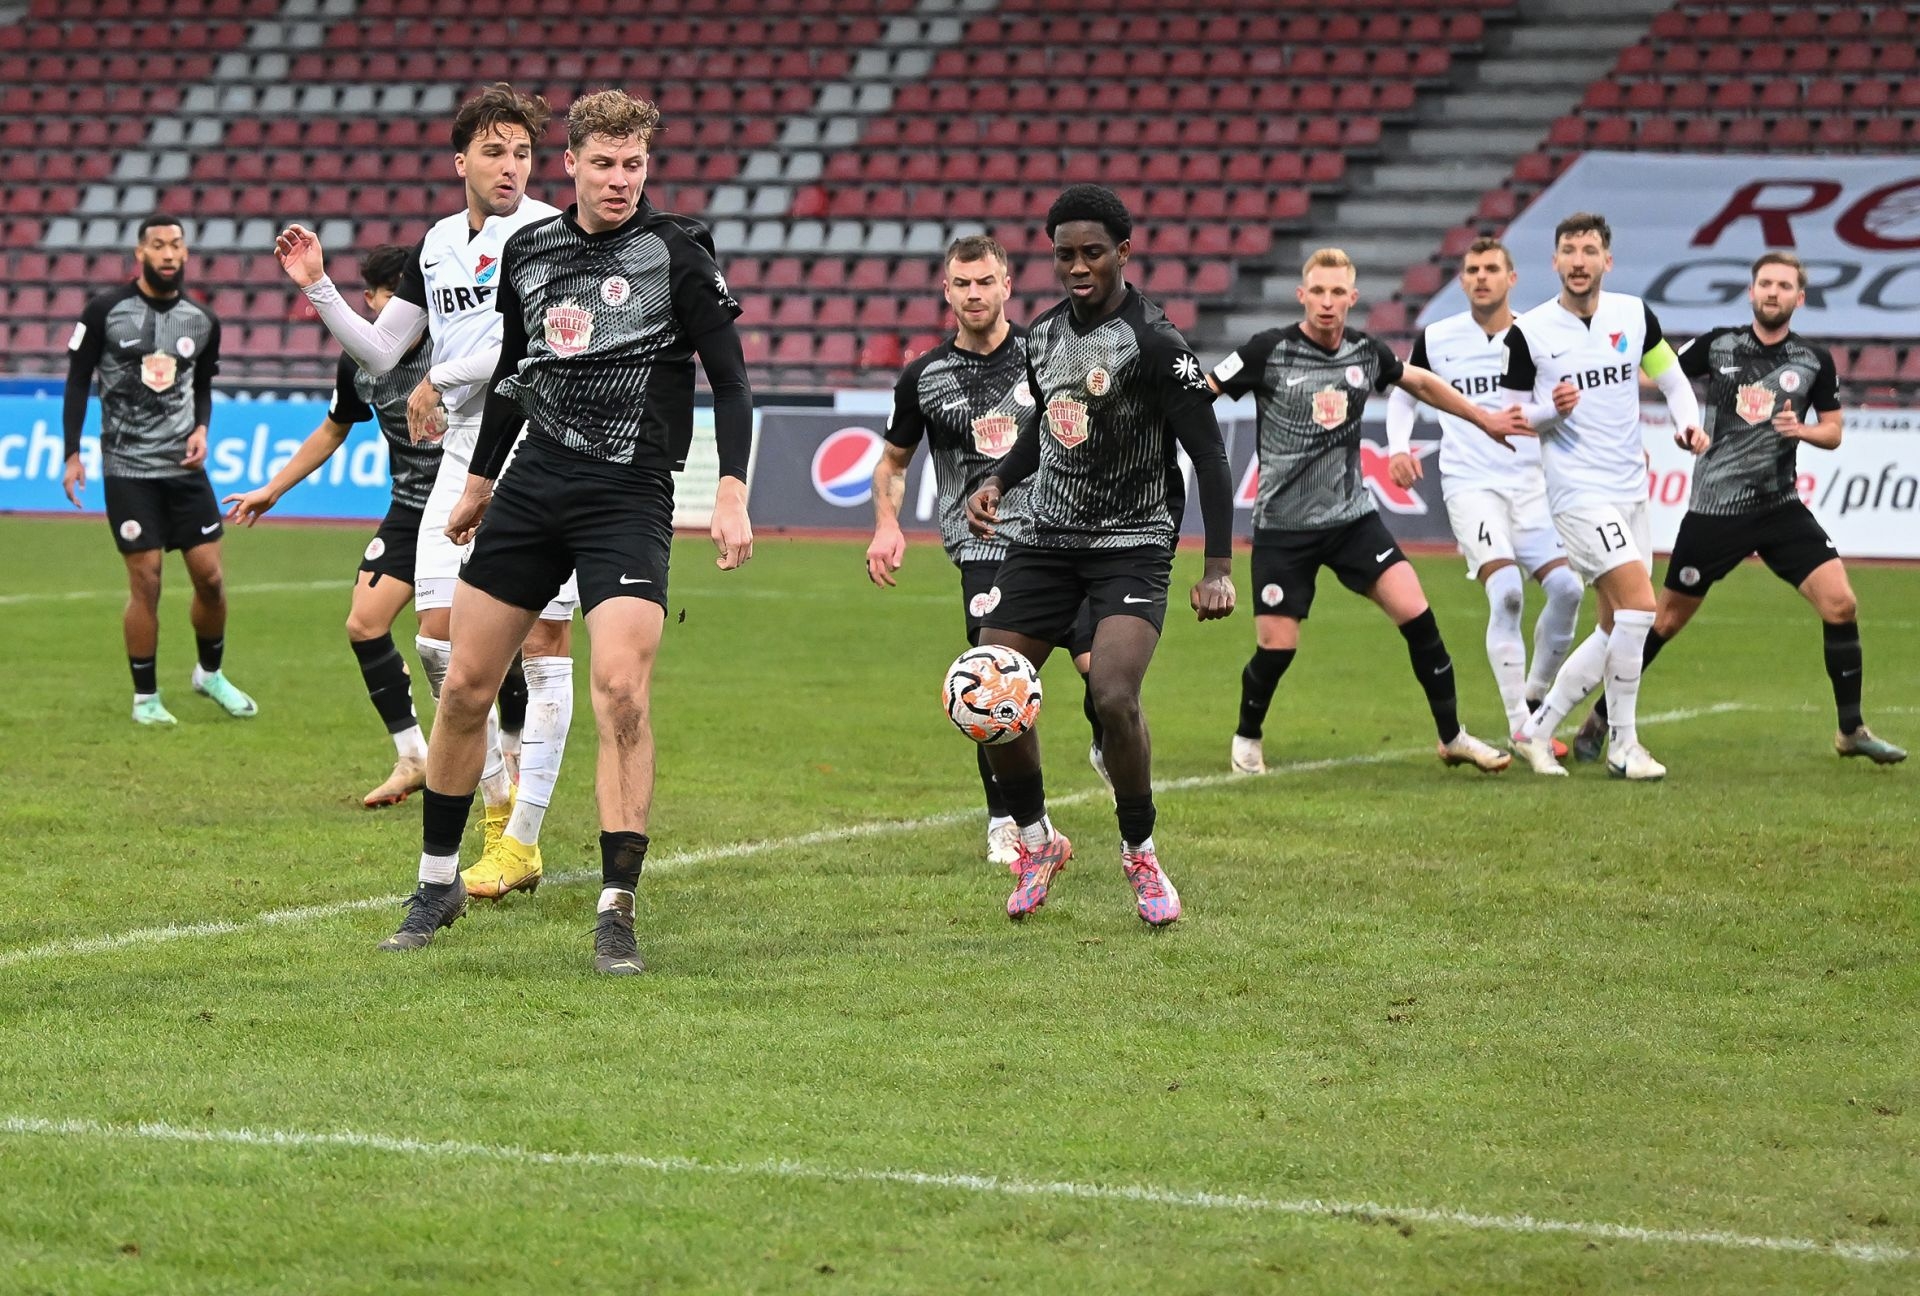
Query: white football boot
<point x="1539" y="754"/>
<point x="1635" y="763"/>
<point x="1247" y="756"/>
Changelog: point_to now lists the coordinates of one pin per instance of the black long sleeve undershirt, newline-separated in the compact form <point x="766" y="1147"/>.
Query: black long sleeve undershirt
<point x="501" y="420"/>
<point x="1021" y="461"/>
<point x="1204" y="444"/>
<point x="726" y="364"/>
<point x="73" y="413"/>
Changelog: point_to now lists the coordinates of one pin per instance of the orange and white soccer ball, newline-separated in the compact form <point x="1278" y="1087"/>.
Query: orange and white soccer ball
<point x="992" y="694"/>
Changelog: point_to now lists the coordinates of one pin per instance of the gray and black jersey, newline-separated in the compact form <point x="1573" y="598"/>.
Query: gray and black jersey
<point x="1113" y="397"/>
<point x="1749" y="466"/>
<point x="605" y="326"/>
<point x="155" y="361"/>
<point x="1310" y="401"/>
<point x="359" y="396"/>
<point x="971" y="408"/>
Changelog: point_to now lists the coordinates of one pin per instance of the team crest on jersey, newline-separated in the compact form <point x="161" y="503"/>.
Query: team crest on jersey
<point x="1067" y="420"/>
<point x="1330" y="407"/>
<point x="1023" y="395"/>
<point x="981" y="604"/>
<point x="1187" y="372"/>
<point x="483" y="268"/>
<point x="569" y="328"/>
<point x="993" y="434"/>
<point x="615" y="290"/>
<point x="1753" y="403"/>
<point x="1356" y="376"/>
<point x="1098" y="381"/>
<point x="159" y="370"/>
<point x="1618" y="341"/>
<point x="1789" y="381"/>
<point x="185" y="347"/>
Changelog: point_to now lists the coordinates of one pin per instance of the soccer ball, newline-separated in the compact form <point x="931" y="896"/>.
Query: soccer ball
<point x="992" y="694"/>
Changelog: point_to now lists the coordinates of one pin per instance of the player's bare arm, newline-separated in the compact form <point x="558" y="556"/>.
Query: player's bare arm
<point x="889" y="547"/>
<point x="1430" y="389"/>
<point x="1825" y="434"/>
<point x="249" y="507"/>
<point x="732" y="531"/>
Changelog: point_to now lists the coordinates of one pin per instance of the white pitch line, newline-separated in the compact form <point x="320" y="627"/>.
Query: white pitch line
<point x="85" y="945"/>
<point x="980" y="1184"/>
<point x="269" y="587"/>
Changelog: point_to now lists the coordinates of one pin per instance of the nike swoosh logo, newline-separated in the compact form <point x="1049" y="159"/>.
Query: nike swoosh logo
<point x="954" y="404"/>
<point x="1829" y="544"/>
<point x="209" y="530"/>
<point x="634" y="580"/>
<point x="1849" y="674"/>
<point x="1557" y="354"/>
<point x="1295" y="382"/>
<point x="1382" y="557"/>
<point x="135" y="342"/>
<point x="1129" y="598"/>
<point x="429" y="265"/>
<point x="1729" y="368"/>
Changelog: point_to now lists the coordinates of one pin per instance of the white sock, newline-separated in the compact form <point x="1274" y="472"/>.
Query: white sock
<point x="509" y="745"/>
<point x="1139" y="848"/>
<point x="1624" y="650"/>
<point x="1035" y="836"/>
<point x="1506" y="650"/>
<point x="998" y="821"/>
<point x="495" y="786"/>
<point x="435" y="656"/>
<point x="201" y="675"/>
<point x="1553" y="632"/>
<point x="439" y="869"/>
<point x="1584" y="668"/>
<point x="542" y="742"/>
<point x="411" y="744"/>
<point x="610" y="895"/>
<point x="144" y="697"/>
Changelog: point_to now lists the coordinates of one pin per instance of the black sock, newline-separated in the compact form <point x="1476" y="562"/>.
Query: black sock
<point x="144" y="680"/>
<point x="996" y="803"/>
<point x="1434" y="669"/>
<point x="1844" y="669"/>
<point x="1655" y="642"/>
<point x="443" y="821"/>
<point x="513" y="697"/>
<point x="388" y="684"/>
<point x="1026" y="796"/>
<point x="621" y="856"/>
<point x="1093" y="716"/>
<point x="1257" y="683"/>
<point x="1136" y="816"/>
<point x="211" y="651"/>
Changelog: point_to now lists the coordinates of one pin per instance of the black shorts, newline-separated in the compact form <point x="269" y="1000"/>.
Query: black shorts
<point x="391" y="551"/>
<point x="976" y="592"/>
<point x="152" y="512"/>
<point x="556" y="512"/>
<point x="1285" y="563"/>
<point x="1788" y="538"/>
<point x="1041" y="593"/>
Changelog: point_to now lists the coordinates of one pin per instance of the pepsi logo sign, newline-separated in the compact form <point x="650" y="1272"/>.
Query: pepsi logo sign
<point x="843" y="466"/>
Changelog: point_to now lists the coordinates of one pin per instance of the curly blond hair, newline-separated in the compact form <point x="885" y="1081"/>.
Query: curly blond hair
<point x="614" y="114"/>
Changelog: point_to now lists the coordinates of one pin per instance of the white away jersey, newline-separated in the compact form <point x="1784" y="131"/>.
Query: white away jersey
<point x="1593" y="455"/>
<point x="1471" y="362"/>
<point x="453" y="277"/>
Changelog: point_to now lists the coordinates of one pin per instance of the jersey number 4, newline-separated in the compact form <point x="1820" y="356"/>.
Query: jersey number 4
<point x="1609" y="542"/>
<point x="1485" y="539"/>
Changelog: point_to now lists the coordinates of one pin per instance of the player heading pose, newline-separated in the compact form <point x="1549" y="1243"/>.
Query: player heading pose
<point x="1117" y="386"/>
<point x="969" y="399"/>
<point x="605" y="307"/>
<point x="1763" y="380"/>
<point x="1599" y="343"/>
<point x="1313" y="510"/>
<point x="385" y="583"/>
<point x="1496" y="496"/>
<point x="447" y="293"/>
<point x="155" y="351"/>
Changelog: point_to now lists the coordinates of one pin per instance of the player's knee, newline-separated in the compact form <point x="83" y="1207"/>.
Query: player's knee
<point x="361" y="626"/>
<point x="209" y="587"/>
<point x="620" y="700"/>
<point x="143" y="589"/>
<point x="1115" y="702"/>
<point x="465" y="695"/>
<point x="1840" y="608"/>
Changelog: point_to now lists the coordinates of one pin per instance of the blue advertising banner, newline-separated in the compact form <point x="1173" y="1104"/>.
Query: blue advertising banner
<point x="247" y="442"/>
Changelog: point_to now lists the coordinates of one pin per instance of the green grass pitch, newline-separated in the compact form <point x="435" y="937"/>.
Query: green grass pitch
<point x="1415" y="1021"/>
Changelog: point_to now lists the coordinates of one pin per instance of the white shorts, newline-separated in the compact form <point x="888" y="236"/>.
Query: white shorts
<point x="1600" y="537"/>
<point x="1493" y="525"/>
<point x="436" y="563"/>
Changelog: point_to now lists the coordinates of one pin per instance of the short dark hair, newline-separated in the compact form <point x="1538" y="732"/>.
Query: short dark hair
<point x="1091" y="202"/>
<point x="497" y="106"/>
<point x="1480" y="245"/>
<point x="1787" y="259"/>
<point x="384" y="266"/>
<point x="975" y="247"/>
<point x="155" y="221"/>
<point x="1585" y="223"/>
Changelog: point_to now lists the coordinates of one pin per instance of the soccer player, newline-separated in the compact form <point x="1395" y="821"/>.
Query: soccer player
<point x="155" y="351"/>
<point x="1600" y="343"/>
<point x="605" y="307"/>
<point x="447" y="293"/>
<point x="1310" y="383"/>
<point x="385" y="584"/>
<point x="1117" y="386"/>
<point x="1762" y="381"/>
<point x="1496" y="497"/>
<point x="968" y="397"/>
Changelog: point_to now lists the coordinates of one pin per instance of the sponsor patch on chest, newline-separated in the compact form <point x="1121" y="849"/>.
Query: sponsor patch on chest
<point x="1068" y="421"/>
<point x="993" y="434"/>
<point x="159" y="370"/>
<point x="1330" y="407"/>
<point x="1753" y="403"/>
<point x="569" y="328"/>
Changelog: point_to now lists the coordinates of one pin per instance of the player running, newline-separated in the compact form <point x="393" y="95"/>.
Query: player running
<point x="447" y="293"/>
<point x="1310" y="383"/>
<point x="155" y="351"/>
<point x="1595" y="462"/>
<point x="605" y="308"/>
<point x="1496" y="497"/>
<point x="1762" y="380"/>
<point x="1117" y="386"/>
<point x="968" y="397"/>
<point x="385" y="584"/>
